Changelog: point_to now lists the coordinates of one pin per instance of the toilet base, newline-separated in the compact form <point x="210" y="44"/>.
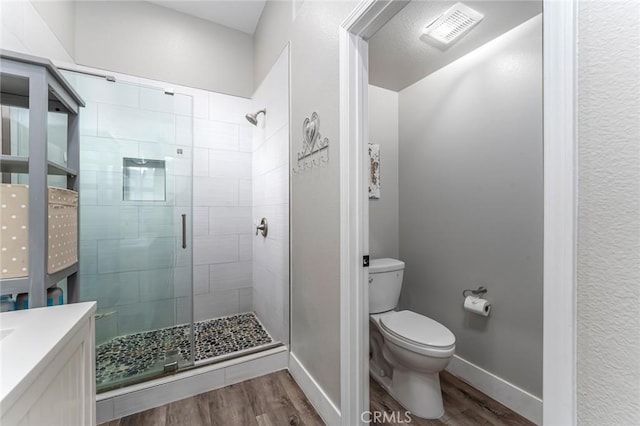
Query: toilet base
<point x="419" y="393"/>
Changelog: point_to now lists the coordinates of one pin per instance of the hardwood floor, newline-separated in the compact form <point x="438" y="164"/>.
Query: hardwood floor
<point x="463" y="405"/>
<point x="276" y="400"/>
<point x="271" y="400"/>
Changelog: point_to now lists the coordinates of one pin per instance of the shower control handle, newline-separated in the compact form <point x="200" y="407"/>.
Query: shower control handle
<point x="184" y="231"/>
<point x="263" y="227"/>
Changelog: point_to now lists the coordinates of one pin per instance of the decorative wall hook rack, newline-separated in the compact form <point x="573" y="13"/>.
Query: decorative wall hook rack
<point x="315" y="148"/>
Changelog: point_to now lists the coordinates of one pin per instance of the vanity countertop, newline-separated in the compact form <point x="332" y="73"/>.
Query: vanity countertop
<point x="30" y="339"/>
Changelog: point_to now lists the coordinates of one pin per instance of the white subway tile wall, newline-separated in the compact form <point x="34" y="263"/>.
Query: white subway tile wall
<point x="221" y="169"/>
<point x="270" y="199"/>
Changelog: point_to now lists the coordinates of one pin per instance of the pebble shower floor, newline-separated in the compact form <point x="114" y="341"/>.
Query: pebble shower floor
<point x="134" y="354"/>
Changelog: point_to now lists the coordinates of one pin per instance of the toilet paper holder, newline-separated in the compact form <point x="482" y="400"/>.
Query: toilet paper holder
<point x="479" y="292"/>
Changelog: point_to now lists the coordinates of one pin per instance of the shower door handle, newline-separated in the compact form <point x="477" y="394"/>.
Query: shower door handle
<point x="184" y="231"/>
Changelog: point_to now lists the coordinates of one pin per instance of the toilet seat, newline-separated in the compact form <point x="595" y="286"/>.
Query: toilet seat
<point x="418" y="333"/>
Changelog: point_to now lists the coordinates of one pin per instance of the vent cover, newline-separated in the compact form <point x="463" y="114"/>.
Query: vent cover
<point x="449" y="27"/>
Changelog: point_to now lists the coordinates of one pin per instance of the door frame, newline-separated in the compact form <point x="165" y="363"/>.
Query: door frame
<point x="560" y="207"/>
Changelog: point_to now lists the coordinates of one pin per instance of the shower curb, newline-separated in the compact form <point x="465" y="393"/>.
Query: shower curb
<point x="144" y="396"/>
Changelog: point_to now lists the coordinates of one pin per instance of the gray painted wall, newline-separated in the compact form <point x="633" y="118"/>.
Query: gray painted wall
<point x="143" y="39"/>
<point x="315" y="197"/>
<point x="471" y="201"/>
<point x="60" y="16"/>
<point x="384" y="232"/>
<point x="609" y="213"/>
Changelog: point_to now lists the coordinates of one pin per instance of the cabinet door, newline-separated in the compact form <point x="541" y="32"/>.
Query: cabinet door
<point x="64" y="392"/>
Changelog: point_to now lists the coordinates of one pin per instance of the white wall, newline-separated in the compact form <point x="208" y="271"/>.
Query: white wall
<point x="609" y="213"/>
<point x="315" y="196"/>
<point x="471" y="201"/>
<point x="384" y="232"/>
<point x="273" y="32"/>
<point x="144" y="39"/>
<point x="271" y="200"/>
<point x="132" y="37"/>
<point x="24" y="30"/>
<point x="60" y="16"/>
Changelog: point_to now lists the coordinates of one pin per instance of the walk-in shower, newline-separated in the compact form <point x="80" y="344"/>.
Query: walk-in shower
<point x="144" y="251"/>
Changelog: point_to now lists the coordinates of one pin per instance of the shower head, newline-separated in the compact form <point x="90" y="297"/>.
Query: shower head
<point x="253" y="118"/>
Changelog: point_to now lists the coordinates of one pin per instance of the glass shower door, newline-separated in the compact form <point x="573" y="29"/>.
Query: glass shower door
<point x="135" y="227"/>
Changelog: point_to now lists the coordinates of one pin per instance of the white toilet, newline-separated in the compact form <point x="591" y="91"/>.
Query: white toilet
<point x="408" y="350"/>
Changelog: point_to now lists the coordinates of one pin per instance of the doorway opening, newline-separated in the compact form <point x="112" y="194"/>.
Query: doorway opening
<point x="557" y="212"/>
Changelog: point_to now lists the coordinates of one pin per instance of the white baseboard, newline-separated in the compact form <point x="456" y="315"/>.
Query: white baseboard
<point x="518" y="400"/>
<point x="314" y="393"/>
<point x="154" y="393"/>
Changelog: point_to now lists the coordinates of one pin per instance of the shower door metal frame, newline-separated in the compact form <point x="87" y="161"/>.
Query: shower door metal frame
<point x="560" y="208"/>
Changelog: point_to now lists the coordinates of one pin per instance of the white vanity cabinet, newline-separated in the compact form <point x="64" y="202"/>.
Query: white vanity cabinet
<point x="47" y="366"/>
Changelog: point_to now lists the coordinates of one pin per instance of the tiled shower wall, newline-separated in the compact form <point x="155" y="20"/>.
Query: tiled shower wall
<point x="222" y="206"/>
<point x="271" y="200"/>
<point x="131" y="121"/>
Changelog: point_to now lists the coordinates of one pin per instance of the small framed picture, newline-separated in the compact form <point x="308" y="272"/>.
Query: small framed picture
<point x="374" y="176"/>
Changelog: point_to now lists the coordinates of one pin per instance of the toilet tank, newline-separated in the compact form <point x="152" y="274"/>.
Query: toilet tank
<point x="385" y="283"/>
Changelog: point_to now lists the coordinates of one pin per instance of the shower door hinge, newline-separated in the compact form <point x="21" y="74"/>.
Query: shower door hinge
<point x="365" y="261"/>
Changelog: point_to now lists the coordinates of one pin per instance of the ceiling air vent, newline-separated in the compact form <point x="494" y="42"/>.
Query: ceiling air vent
<point x="449" y="27"/>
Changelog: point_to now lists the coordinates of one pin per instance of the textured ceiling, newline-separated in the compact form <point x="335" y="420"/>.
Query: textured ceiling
<point x="398" y="58"/>
<point x="241" y="15"/>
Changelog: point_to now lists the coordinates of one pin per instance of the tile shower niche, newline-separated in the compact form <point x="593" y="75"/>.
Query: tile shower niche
<point x="143" y="180"/>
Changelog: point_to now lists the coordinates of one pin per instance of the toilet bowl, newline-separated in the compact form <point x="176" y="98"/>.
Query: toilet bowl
<point x="407" y="349"/>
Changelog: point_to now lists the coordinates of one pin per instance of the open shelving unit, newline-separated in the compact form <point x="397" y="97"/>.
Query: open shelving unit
<point x="15" y="164"/>
<point x="37" y="85"/>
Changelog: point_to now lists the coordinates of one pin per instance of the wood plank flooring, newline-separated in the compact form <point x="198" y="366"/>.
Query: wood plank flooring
<point x="271" y="400"/>
<point x="276" y="400"/>
<point x="463" y="406"/>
